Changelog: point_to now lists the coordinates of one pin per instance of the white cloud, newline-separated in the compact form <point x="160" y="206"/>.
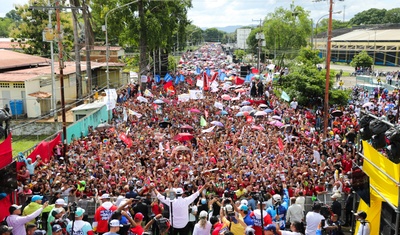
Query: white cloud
<point x="219" y="13"/>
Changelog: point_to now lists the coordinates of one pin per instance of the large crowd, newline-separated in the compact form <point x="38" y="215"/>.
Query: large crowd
<point x="216" y="164"/>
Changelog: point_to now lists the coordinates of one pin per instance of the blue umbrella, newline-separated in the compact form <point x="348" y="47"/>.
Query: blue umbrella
<point x="268" y="110"/>
<point x="223" y="112"/>
<point x="239" y="114"/>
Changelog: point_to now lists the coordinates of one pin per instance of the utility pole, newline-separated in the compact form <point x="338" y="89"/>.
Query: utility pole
<point x="88" y="41"/>
<point x="77" y="53"/>
<point x="53" y="79"/>
<point x="259" y="36"/>
<point x="61" y="64"/>
<point x="344" y="12"/>
<point x="57" y="7"/>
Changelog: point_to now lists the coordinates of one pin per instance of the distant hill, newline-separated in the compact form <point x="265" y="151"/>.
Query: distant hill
<point x="228" y="29"/>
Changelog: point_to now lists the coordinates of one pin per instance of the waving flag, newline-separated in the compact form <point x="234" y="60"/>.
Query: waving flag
<point x="158" y="78"/>
<point x="198" y="70"/>
<point x="208" y="71"/>
<point x="176" y="80"/>
<point x="181" y="78"/>
<point x="168" y="78"/>
<point x="285" y="96"/>
<point x="205" y="82"/>
<point x="203" y="121"/>
<point x="222" y="76"/>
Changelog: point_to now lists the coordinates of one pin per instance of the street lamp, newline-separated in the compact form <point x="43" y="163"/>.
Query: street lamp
<point x="316" y="25"/>
<point x="108" y="53"/>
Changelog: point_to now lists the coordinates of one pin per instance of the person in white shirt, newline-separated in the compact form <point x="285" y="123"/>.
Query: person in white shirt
<point x="301" y="200"/>
<point x="294" y="104"/>
<point x="313" y="219"/>
<point x="179" y="207"/>
<point x="294" y="212"/>
<point x="203" y="227"/>
<point x="364" y="228"/>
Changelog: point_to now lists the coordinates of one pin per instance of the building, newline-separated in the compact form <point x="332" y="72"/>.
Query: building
<point x="26" y="83"/>
<point x="241" y="38"/>
<point x="382" y="43"/>
<point x="98" y="53"/>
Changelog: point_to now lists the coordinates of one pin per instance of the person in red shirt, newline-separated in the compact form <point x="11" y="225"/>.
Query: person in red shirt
<point x="157" y="207"/>
<point x="320" y="188"/>
<point x="103" y="214"/>
<point x="216" y="225"/>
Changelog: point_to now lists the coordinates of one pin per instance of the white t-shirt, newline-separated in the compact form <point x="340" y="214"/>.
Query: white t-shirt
<point x="313" y="219"/>
<point x="192" y="216"/>
<point x="293" y="104"/>
<point x="289" y="233"/>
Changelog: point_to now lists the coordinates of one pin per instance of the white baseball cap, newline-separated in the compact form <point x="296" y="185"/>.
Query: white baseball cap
<point x="115" y="223"/>
<point x="179" y="191"/>
<point x="105" y="196"/>
<point x="60" y="201"/>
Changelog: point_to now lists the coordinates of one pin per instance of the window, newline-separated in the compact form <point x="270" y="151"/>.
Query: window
<point x="4" y="85"/>
<point x="19" y="85"/>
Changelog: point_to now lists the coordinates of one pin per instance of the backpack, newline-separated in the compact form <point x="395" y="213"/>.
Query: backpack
<point x="4" y="222"/>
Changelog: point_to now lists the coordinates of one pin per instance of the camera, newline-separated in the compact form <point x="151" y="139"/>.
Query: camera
<point x="322" y="224"/>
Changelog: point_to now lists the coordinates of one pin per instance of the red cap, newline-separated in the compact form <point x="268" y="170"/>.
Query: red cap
<point x="139" y="216"/>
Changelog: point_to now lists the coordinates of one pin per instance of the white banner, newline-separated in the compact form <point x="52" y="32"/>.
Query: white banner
<point x="184" y="97"/>
<point x="196" y="94"/>
<point x="218" y="105"/>
<point x="199" y="83"/>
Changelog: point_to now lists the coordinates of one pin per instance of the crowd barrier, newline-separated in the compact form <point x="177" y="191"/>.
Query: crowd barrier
<point x="325" y="199"/>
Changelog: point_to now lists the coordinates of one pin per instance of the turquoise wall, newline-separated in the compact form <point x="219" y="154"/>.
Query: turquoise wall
<point x="80" y="128"/>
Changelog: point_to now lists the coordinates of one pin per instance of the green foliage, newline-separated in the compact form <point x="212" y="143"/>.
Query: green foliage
<point x="392" y="16"/>
<point x="362" y="59"/>
<point x="307" y="83"/>
<point x="213" y="35"/>
<point x="336" y="24"/>
<point x="370" y="16"/>
<point x="252" y="42"/>
<point x="5" y="27"/>
<point x="308" y="56"/>
<point x="286" y="31"/>
<point x="30" y="28"/>
<point x="193" y="34"/>
<point x="172" y="63"/>
<point x="13" y="15"/>
<point x="339" y="97"/>
<point x="132" y="63"/>
<point x="240" y="54"/>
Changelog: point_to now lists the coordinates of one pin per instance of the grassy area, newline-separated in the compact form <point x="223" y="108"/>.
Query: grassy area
<point x="22" y="143"/>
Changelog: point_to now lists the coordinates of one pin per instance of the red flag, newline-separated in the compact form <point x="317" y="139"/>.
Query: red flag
<point x="239" y="80"/>
<point x="45" y="149"/>
<point x="205" y="82"/>
<point x="5" y="152"/>
<point x="280" y="144"/>
<point x="189" y="81"/>
<point x="125" y="139"/>
<point x="168" y="85"/>
<point x="214" y="77"/>
<point x="254" y="71"/>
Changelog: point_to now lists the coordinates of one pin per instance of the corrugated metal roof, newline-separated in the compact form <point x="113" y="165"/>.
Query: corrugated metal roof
<point x="103" y="48"/>
<point x="11" y="59"/>
<point x="370" y="35"/>
<point x="40" y="94"/>
<point x="31" y="73"/>
<point x="94" y="105"/>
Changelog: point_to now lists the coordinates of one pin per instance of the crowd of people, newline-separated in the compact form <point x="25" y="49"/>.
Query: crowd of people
<point x="216" y="164"/>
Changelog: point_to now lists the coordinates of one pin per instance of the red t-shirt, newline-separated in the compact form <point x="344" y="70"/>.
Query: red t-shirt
<point x="217" y="228"/>
<point x="138" y="230"/>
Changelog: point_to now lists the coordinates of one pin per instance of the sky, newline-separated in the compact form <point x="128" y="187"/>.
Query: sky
<point x="221" y="13"/>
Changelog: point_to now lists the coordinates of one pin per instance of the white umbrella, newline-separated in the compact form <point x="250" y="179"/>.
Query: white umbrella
<point x="260" y="113"/>
<point x="142" y="99"/>
<point x="245" y="103"/>
<point x="217" y="123"/>
<point x="246" y="108"/>
<point x="368" y="104"/>
<point x="263" y="106"/>
<point x="158" y="101"/>
<point x="276" y="117"/>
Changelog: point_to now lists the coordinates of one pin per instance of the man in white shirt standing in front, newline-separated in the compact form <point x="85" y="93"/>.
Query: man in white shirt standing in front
<point x="179" y="209"/>
<point x="294" y="212"/>
<point x="313" y="219"/>
<point x="294" y="104"/>
<point x="364" y="228"/>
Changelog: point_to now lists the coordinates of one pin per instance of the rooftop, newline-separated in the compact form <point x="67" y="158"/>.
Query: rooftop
<point x="11" y="59"/>
<point x="365" y="35"/>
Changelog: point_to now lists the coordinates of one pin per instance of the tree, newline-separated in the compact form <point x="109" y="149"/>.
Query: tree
<point x="213" y="35"/>
<point x="307" y="83"/>
<point x="193" y="34"/>
<point x="370" y="16"/>
<point x="147" y="25"/>
<point x="31" y="26"/>
<point x="392" y="16"/>
<point x="336" y="24"/>
<point x="286" y="31"/>
<point x="362" y="59"/>
<point x="240" y="54"/>
<point x="13" y="15"/>
<point x="5" y="27"/>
